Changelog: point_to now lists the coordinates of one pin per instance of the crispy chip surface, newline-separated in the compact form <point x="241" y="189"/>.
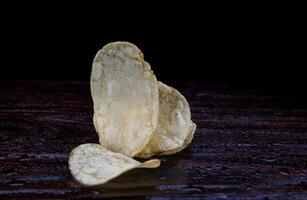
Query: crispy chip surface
<point x="175" y="129"/>
<point x="153" y="163"/>
<point x="92" y="164"/>
<point x="186" y="142"/>
<point x="125" y="96"/>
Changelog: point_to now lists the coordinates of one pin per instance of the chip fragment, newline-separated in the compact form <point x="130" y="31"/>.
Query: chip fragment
<point x="125" y="96"/>
<point x="153" y="163"/>
<point x="175" y="129"/>
<point x="91" y="164"/>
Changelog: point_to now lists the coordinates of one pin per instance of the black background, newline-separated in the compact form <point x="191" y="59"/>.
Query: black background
<point x="189" y="43"/>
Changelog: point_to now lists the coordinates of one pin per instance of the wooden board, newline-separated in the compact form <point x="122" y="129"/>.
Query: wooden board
<point x="248" y="144"/>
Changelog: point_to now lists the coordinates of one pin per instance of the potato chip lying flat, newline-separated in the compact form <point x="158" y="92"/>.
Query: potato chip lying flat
<point x="153" y="163"/>
<point x="92" y="164"/>
<point x="175" y="129"/>
<point x="125" y="96"/>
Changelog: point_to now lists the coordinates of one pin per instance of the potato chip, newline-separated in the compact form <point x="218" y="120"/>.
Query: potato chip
<point x="92" y="164"/>
<point x="186" y="142"/>
<point x="125" y="96"/>
<point x="153" y="163"/>
<point x="175" y="129"/>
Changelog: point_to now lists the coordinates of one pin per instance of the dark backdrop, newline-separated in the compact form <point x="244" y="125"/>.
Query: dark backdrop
<point x="58" y="42"/>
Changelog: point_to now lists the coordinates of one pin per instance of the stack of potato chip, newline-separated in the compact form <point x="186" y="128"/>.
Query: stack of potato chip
<point x="134" y="115"/>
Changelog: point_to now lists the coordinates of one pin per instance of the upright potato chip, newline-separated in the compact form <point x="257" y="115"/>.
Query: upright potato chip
<point x="186" y="142"/>
<point x="125" y="96"/>
<point x="175" y="129"/>
<point x="92" y="164"/>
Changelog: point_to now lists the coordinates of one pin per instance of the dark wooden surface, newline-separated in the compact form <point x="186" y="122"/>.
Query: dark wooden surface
<point x="248" y="144"/>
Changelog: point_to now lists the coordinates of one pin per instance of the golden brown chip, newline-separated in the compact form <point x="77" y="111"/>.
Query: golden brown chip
<point x="125" y="96"/>
<point x="175" y="129"/>
<point x="91" y="164"/>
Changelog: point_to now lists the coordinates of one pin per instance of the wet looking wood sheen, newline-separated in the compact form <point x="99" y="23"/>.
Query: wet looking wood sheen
<point x="248" y="144"/>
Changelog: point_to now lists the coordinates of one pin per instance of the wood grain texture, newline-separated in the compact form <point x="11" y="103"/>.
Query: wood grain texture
<point x="248" y="144"/>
